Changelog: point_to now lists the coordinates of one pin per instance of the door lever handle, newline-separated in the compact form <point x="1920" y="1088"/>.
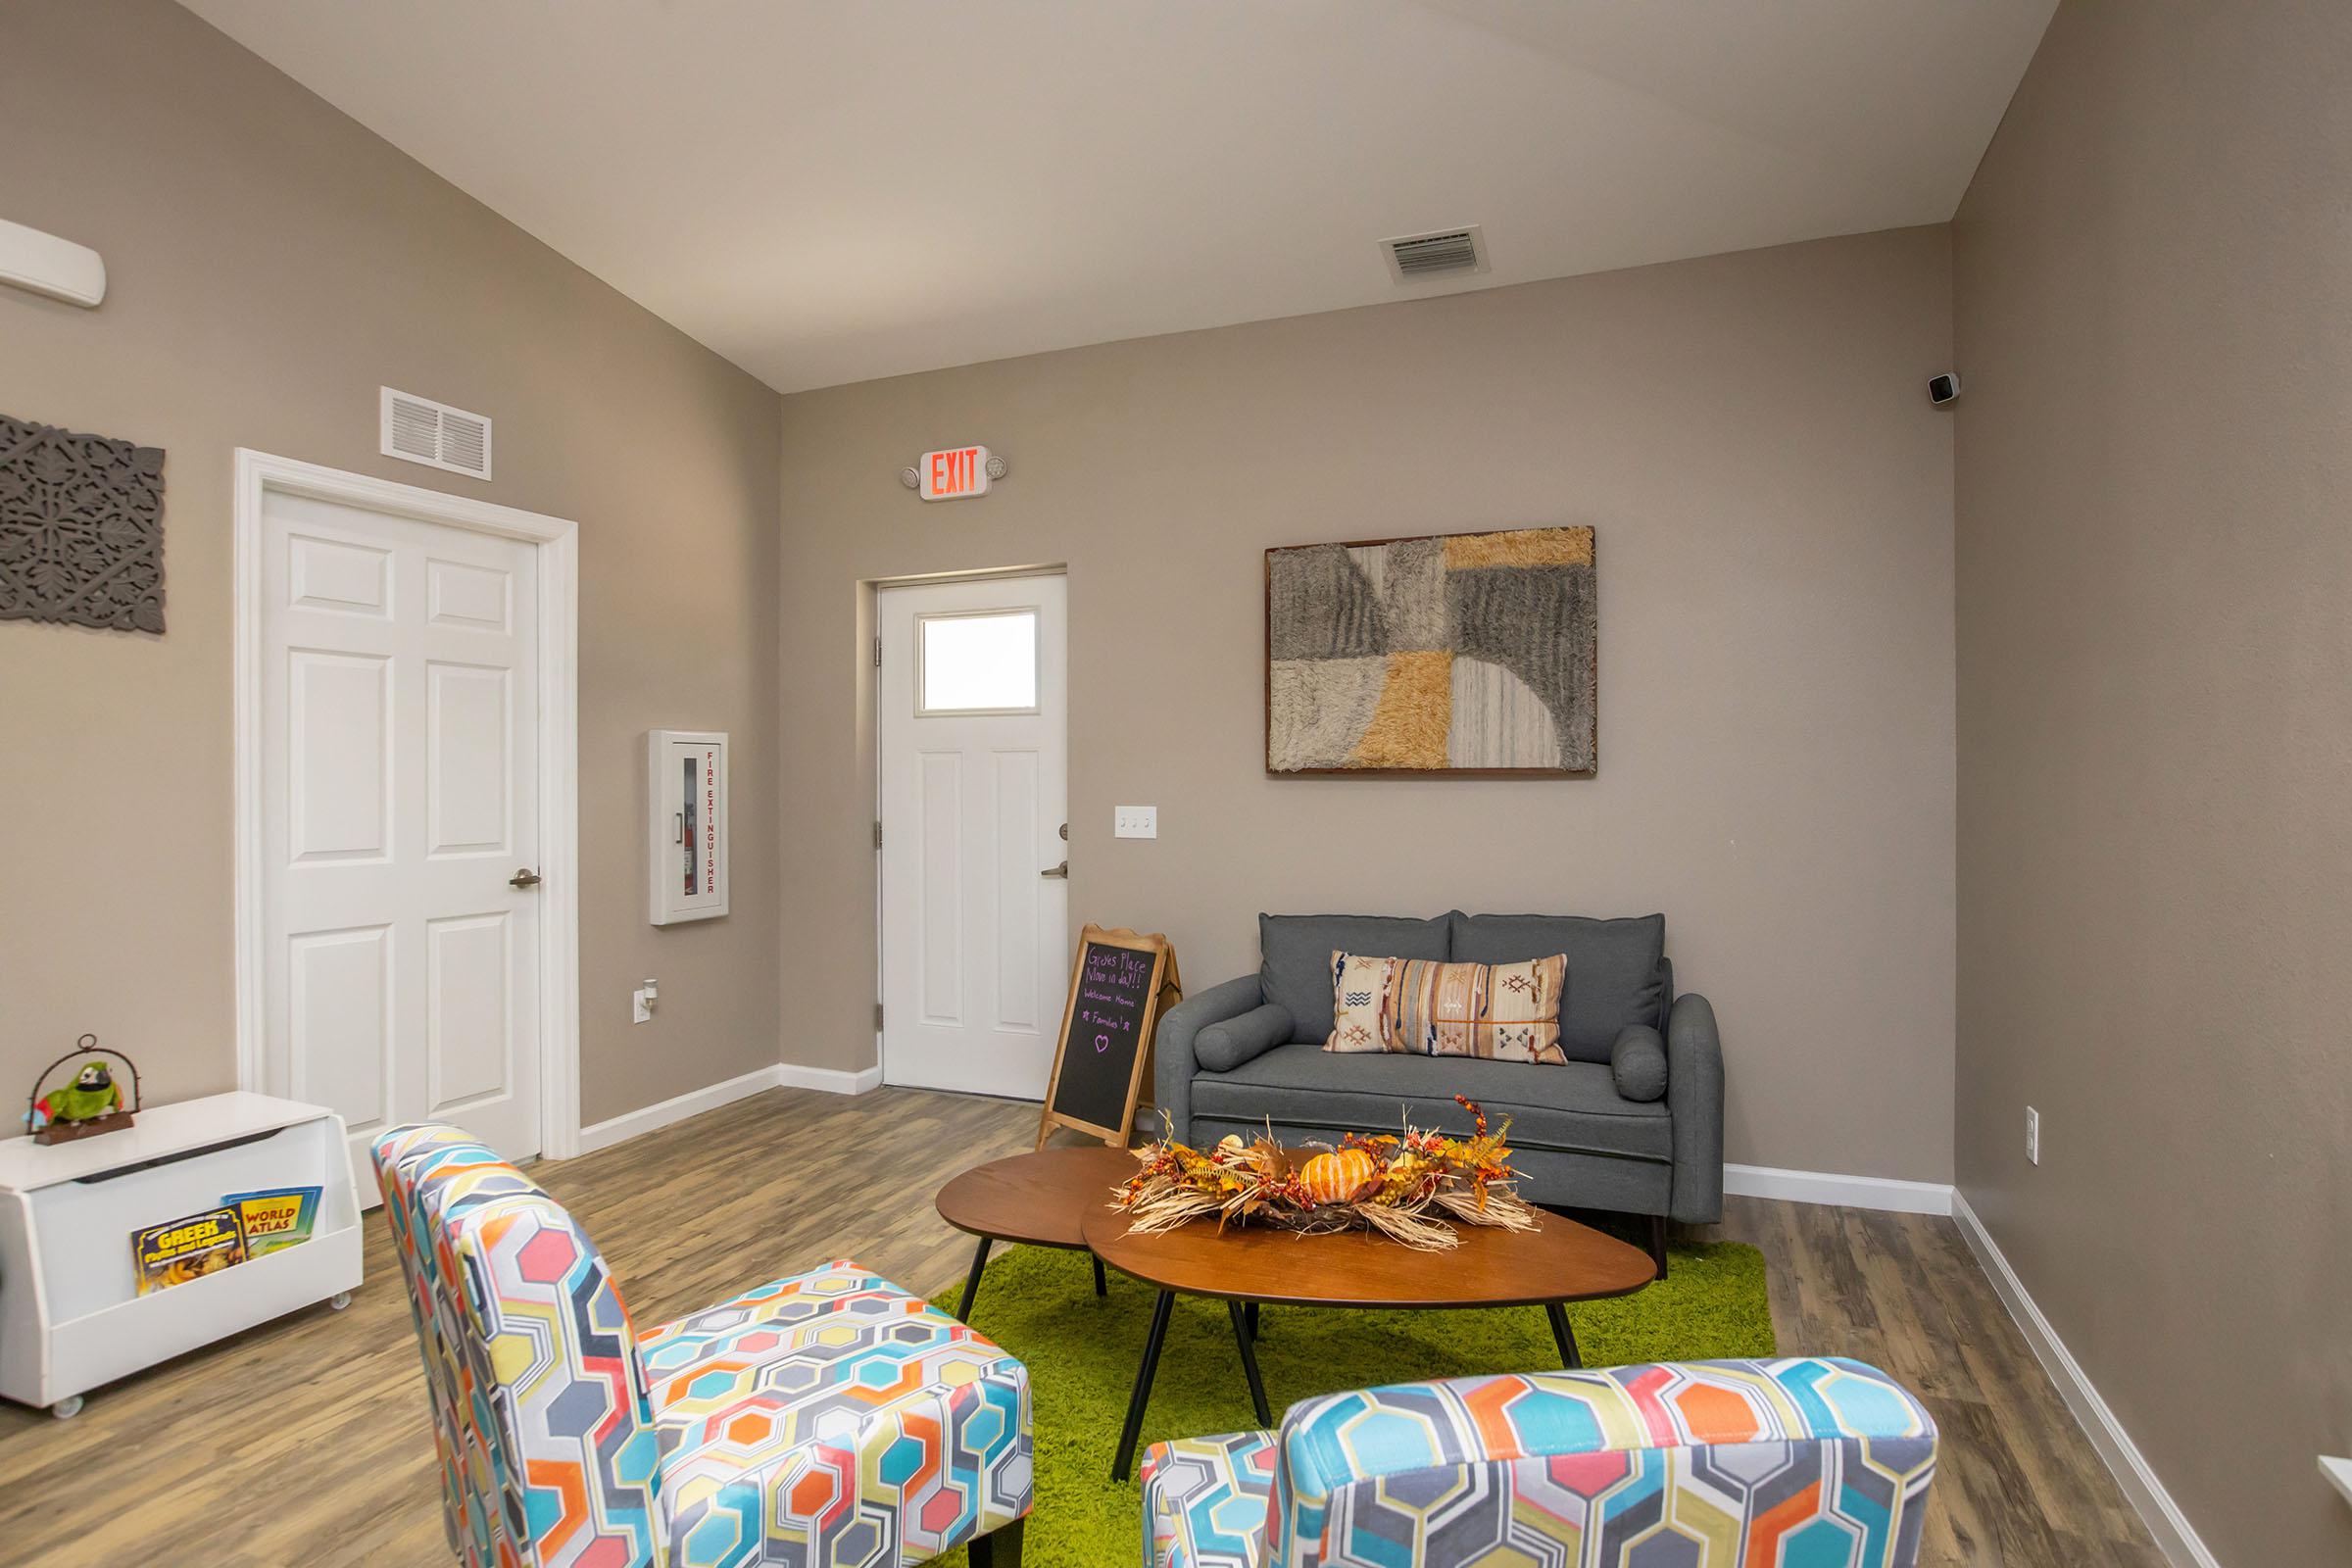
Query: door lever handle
<point x="524" y="878"/>
<point x="1061" y="873"/>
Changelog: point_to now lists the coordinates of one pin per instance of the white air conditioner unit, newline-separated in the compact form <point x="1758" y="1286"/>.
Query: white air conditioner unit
<point x="47" y="265"/>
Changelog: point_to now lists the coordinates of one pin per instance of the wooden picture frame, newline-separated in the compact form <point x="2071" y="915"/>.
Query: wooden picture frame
<point x="1162" y="990"/>
<point x="1592" y="680"/>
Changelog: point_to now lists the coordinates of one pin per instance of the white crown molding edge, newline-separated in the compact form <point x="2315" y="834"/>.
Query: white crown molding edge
<point x="2174" y="1536"/>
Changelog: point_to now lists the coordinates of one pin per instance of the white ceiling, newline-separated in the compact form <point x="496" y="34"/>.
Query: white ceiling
<point x="831" y="190"/>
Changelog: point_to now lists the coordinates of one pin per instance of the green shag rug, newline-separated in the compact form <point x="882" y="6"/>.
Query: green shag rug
<point x="1082" y="1351"/>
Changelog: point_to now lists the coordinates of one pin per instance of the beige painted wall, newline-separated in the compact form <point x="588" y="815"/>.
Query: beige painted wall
<point x="272" y="263"/>
<point x="1751" y="436"/>
<point x="2154" y="482"/>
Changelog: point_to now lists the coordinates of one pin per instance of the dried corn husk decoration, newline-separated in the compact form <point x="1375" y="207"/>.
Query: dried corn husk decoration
<point x="1409" y="1186"/>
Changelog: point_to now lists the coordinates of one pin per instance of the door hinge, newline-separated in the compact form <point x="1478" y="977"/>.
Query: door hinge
<point x="877" y="1016"/>
<point x="877" y="833"/>
<point x="877" y="651"/>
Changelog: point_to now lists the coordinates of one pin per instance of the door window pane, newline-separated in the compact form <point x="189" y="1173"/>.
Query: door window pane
<point x="978" y="663"/>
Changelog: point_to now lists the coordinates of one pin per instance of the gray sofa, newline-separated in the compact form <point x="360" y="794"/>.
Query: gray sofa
<point x="1633" y="1121"/>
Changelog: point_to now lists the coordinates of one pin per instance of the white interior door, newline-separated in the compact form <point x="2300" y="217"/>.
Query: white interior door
<point x="400" y="833"/>
<point x="975" y="792"/>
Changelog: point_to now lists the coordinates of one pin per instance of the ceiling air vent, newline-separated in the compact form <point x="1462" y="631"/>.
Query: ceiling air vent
<point x="1446" y="252"/>
<point x="435" y="434"/>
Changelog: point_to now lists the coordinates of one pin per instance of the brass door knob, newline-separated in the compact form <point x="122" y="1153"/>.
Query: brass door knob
<point x="524" y="878"/>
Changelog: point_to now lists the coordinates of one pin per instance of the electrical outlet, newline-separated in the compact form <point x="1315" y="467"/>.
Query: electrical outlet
<point x="641" y="1003"/>
<point x="1135" y="822"/>
<point x="2033" y="1136"/>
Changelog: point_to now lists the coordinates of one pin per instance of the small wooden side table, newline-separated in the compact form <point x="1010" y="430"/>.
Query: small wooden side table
<point x="1042" y="1199"/>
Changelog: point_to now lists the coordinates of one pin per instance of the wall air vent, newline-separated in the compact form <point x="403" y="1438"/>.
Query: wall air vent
<point x="420" y="430"/>
<point x="1443" y="254"/>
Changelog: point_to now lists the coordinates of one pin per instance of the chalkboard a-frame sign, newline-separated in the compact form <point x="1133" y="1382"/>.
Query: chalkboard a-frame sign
<point x="1119" y="984"/>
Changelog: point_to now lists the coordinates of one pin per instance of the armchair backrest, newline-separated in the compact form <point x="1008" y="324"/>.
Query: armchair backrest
<point x="545" y="1430"/>
<point x="1824" y="1462"/>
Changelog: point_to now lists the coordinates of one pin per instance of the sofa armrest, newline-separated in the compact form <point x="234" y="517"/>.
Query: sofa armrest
<point x="1336" y="1453"/>
<point x="1172" y="1045"/>
<point x="1695" y="1105"/>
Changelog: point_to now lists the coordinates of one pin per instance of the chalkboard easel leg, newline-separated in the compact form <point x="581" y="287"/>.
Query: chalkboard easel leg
<point x="971" y="1283"/>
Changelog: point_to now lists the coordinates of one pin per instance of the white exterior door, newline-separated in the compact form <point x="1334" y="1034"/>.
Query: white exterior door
<point x="975" y="896"/>
<point x="399" y="776"/>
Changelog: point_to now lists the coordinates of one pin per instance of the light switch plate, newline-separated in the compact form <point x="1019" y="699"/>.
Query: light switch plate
<point x="1135" y="822"/>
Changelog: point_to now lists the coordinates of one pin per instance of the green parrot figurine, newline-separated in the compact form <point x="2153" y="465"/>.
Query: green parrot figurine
<point x="91" y="1094"/>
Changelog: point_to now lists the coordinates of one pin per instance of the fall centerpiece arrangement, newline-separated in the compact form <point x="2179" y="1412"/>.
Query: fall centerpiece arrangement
<point x="1406" y="1185"/>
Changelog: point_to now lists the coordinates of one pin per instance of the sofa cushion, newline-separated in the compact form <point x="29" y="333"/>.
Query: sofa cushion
<point x="1506" y="1012"/>
<point x="1225" y="1044"/>
<point x="1613" y="967"/>
<point x="1294" y="957"/>
<point x="1638" y="1062"/>
<point x="1572" y="1107"/>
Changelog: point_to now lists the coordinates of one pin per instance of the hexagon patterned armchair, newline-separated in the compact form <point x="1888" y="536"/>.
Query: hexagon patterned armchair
<point x="1707" y="1464"/>
<point x="829" y="1420"/>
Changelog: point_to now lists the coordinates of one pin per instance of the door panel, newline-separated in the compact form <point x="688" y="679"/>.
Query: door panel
<point x="472" y="1037"/>
<point x="341" y="1020"/>
<point x="340" y="710"/>
<point x="467" y="722"/>
<point x="399" y="794"/>
<point x="974" y="792"/>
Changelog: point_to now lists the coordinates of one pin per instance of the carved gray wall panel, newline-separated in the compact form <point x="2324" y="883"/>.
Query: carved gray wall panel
<point x="81" y="529"/>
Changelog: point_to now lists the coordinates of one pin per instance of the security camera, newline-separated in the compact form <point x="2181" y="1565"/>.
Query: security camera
<point x="1941" y="389"/>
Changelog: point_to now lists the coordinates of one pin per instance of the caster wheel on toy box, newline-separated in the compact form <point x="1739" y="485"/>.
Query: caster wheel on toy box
<point x="67" y="1408"/>
<point x="339" y="1301"/>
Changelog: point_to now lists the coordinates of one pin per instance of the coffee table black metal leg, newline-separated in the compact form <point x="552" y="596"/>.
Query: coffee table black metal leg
<point x="1101" y="1286"/>
<point x="1249" y="1317"/>
<point x="1242" y="1335"/>
<point x="971" y="1283"/>
<point x="1563" y="1336"/>
<point x="1123" y="1461"/>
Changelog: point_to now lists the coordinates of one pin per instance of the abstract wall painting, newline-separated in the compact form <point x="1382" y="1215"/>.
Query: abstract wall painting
<point x="1468" y="654"/>
<point x="81" y="529"/>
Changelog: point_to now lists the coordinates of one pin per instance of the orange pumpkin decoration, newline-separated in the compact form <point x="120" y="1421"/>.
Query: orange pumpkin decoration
<point x="1338" y="1177"/>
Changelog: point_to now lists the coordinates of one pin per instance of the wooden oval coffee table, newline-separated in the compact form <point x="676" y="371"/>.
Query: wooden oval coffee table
<point x="1557" y="1262"/>
<point x="1041" y="1198"/>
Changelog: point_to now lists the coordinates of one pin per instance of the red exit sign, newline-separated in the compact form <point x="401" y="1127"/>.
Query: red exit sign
<point x="952" y="474"/>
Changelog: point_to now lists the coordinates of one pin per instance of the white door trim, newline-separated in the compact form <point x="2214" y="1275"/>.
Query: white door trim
<point x="259" y="475"/>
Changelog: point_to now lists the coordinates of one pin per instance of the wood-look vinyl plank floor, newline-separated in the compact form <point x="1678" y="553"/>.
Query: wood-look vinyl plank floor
<point x="306" y="1441"/>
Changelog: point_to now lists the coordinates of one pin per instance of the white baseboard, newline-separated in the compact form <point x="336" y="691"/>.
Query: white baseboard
<point x="787" y="1075"/>
<point x="832" y="1080"/>
<point x="631" y="1124"/>
<point x="2175" y="1537"/>
<point x="1847" y="1192"/>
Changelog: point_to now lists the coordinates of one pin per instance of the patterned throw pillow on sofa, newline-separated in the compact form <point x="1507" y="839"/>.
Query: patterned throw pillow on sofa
<point x="1505" y="1012"/>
